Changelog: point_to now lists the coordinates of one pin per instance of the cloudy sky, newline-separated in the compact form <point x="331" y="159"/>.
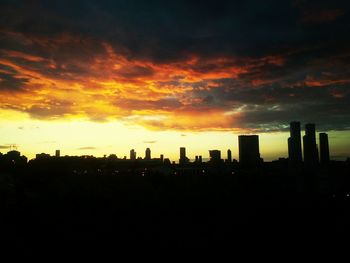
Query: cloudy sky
<point x="103" y="77"/>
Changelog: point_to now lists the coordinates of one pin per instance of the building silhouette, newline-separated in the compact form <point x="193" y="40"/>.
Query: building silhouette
<point x="229" y="156"/>
<point x="324" y="148"/>
<point x="215" y="156"/>
<point x="40" y="156"/>
<point x="132" y="155"/>
<point x="183" y="159"/>
<point x="12" y="159"/>
<point x="310" y="146"/>
<point x="58" y="153"/>
<point x="148" y="154"/>
<point x="294" y="144"/>
<point x="249" y="154"/>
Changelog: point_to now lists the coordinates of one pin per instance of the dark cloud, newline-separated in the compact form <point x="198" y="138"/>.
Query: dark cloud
<point x="265" y="99"/>
<point x="164" y="31"/>
<point x="285" y="60"/>
<point x="51" y="110"/>
<point x="87" y="148"/>
<point x="9" y="80"/>
<point x="5" y="147"/>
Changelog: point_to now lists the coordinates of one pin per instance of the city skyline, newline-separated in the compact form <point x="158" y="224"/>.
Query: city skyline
<point x="104" y="77"/>
<point x="174" y="123"/>
<point x="309" y="151"/>
<point x="273" y="146"/>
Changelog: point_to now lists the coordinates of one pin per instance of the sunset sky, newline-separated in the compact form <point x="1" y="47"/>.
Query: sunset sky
<point x="103" y="77"/>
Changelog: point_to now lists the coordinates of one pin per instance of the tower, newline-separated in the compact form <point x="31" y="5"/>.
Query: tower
<point x="310" y="146"/>
<point x="294" y="144"/>
<point x="132" y="155"/>
<point x="229" y="156"/>
<point x="324" y="148"/>
<point x="148" y="154"/>
<point x="183" y="159"/>
<point x="249" y="155"/>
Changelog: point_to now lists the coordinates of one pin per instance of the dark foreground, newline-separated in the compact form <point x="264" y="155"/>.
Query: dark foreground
<point x="182" y="211"/>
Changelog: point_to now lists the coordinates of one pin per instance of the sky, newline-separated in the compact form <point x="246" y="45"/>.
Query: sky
<point x="103" y="77"/>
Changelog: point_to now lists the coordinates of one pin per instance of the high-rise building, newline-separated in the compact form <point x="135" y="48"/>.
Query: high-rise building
<point x="182" y="152"/>
<point x="229" y="156"/>
<point x="132" y="155"/>
<point x="294" y="144"/>
<point x="310" y="146"/>
<point x="215" y="156"/>
<point x="183" y="159"/>
<point x="249" y="155"/>
<point x="58" y="153"/>
<point x="148" y="154"/>
<point x="324" y="148"/>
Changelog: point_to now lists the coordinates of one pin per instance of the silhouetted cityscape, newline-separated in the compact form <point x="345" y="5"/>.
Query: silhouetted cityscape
<point x="174" y="124"/>
<point x="249" y="157"/>
<point x="67" y="197"/>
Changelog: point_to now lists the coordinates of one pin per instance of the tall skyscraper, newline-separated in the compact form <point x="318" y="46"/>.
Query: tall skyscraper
<point x="310" y="146"/>
<point x="294" y="144"/>
<point x="183" y="159"/>
<point x="58" y="153"/>
<point x="148" y="154"/>
<point x="132" y="155"/>
<point x="324" y="148"/>
<point x="249" y="155"/>
<point x="229" y="156"/>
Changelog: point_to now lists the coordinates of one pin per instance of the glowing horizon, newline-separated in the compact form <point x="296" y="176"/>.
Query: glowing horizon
<point x="70" y="137"/>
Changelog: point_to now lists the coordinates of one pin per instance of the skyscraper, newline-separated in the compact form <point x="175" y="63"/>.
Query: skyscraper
<point x="229" y="156"/>
<point x="249" y="155"/>
<point x="310" y="146"/>
<point x="132" y="154"/>
<point x="148" y="154"/>
<point x="324" y="148"/>
<point x="183" y="159"/>
<point x="294" y="144"/>
<point x="58" y="153"/>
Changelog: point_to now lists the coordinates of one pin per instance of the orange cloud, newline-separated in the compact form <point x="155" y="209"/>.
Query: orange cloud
<point x="213" y="120"/>
<point x="83" y="78"/>
<point x="21" y="55"/>
<point x="310" y="82"/>
<point x="112" y="86"/>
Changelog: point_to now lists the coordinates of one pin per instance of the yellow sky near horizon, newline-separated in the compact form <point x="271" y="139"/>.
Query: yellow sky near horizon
<point x="85" y="137"/>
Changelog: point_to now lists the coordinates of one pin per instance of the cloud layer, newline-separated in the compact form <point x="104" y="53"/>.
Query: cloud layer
<point x="186" y="65"/>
